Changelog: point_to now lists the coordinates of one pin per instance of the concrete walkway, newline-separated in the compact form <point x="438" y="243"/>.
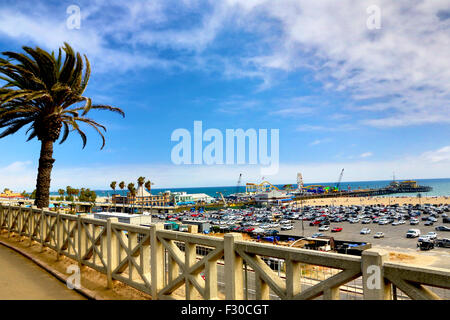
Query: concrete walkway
<point x="22" y="279"/>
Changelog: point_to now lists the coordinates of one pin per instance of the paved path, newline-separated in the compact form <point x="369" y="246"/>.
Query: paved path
<point x="22" y="279"/>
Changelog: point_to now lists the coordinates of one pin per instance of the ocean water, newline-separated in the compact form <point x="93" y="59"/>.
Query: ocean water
<point x="441" y="187"/>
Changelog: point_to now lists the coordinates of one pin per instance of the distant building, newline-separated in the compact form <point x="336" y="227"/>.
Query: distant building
<point x="182" y="197"/>
<point x="202" y="197"/>
<point x="273" y="196"/>
<point x="8" y="194"/>
<point x="135" y="219"/>
<point x="162" y="199"/>
<point x="203" y="225"/>
<point x="143" y="197"/>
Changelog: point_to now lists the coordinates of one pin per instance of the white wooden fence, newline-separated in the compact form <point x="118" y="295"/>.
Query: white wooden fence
<point x="150" y="260"/>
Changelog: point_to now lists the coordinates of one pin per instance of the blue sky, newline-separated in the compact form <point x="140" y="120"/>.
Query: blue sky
<point x="343" y="96"/>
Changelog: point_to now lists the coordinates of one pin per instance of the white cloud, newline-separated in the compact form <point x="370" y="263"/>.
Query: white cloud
<point x="440" y="155"/>
<point x="366" y="155"/>
<point x="333" y="128"/>
<point x="319" y="141"/>
<point x="404" y="64"/>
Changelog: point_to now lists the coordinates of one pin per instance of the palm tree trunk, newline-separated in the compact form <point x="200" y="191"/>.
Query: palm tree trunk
<point x="44" y="172"/>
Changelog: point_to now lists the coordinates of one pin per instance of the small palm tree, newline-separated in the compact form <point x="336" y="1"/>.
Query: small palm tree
<point x="132" y="191"/>
<point x="44" y="93"/>
<point x="113" y="187"/>
<point x="61" y="194"/>
<point x="122" y="186"/>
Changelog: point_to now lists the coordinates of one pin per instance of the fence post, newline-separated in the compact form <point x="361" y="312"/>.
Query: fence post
<point x="59" y="236"/>
<point x="31" y="226"/>
<point x="9" y="220"/>
<point x="20" y="222"/>
<point x="234" y="287"/>
<point x="375" y="286"/>
<point x="42" y="229"/>
<point x="111" y="250"/>
<point x="81" y="240"/>
<point x="157" y="260"/>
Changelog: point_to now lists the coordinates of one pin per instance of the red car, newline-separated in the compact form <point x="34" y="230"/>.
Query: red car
<point x="337" y="229"/>
<point x="249" y="229"/>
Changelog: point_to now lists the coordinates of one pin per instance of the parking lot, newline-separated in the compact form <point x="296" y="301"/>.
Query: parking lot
<point x="269" y="221"/>
<point x="394" y="236"/>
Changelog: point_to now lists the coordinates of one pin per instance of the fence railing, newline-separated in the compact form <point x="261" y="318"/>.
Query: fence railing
<point x="167" y="264"/>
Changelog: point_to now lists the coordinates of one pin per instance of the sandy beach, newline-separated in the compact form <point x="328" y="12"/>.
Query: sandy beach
<point x="346" y="201"/>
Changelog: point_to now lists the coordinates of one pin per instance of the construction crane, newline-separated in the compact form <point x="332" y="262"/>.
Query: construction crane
<point x="339" y="181"/>
<point x="223" y="198"/>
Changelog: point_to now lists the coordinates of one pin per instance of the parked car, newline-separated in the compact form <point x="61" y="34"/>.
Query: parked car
<point x="423" y="238"/>
<point x="324" y="228"/>
<point x="442" y="228"/>
<point x="413" y="233"/>
<point x="366" y="221"/>
<point x="365" y="231"/>
<point x="428" y="223"/>
<point x="432" y="235"/>
<point x="413" y="221"/>
<point x="379" y="235"/>
<point x="336" y="229"/>
<point x="287" y="227"/>
<point x="443" y="243"/>
<point x="425" y="245"/>
<point x="317" y="234"/>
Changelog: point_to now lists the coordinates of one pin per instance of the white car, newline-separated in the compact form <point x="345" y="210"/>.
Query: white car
<point x="383" y="222"/>
<point x="365" y="231"/>
<point x="413" y="233"/>
<point x="424" y="238"/>
<point x="274" y="225"/>
<point x="432" y="235"/>
<point x="287" y="227"/>
<point x="413" y="221"/>
<point x="379" y="235"/>
<point x="324" y="228"/>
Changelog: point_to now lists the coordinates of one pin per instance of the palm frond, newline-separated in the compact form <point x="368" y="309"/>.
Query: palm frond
<point x="45" y="89"/>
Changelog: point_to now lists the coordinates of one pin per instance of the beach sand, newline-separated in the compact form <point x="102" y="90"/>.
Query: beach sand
<point x="347" y="201"/>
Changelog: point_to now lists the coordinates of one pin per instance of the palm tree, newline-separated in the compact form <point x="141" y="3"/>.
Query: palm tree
<point x="132" y="190"/>
<point x="122" y="186"/>
<point x="44" y="93"/>
<point x="113" y="187"/>
<point x="61" y="193"/>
